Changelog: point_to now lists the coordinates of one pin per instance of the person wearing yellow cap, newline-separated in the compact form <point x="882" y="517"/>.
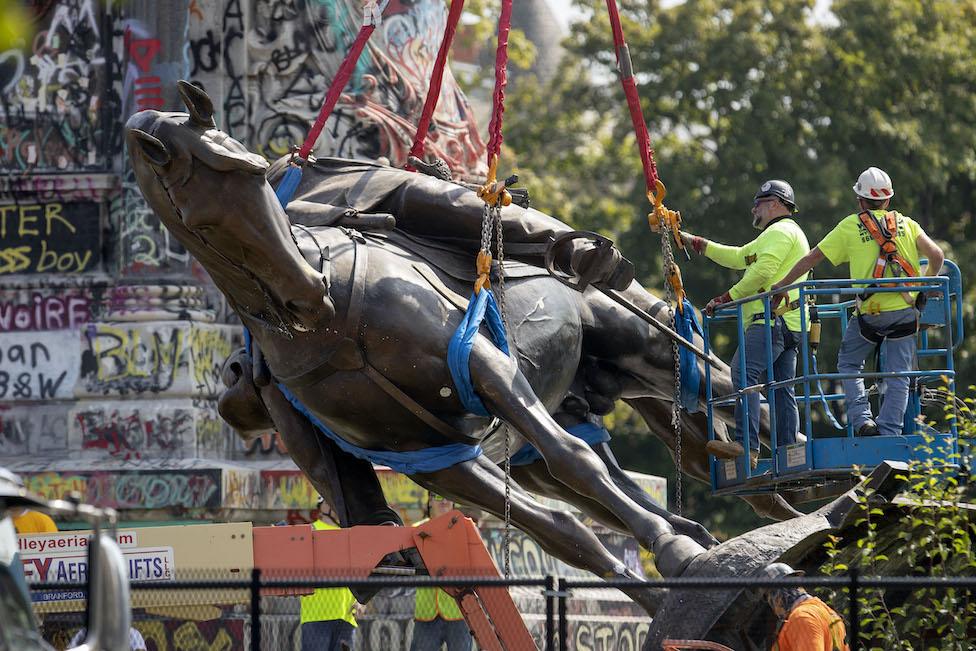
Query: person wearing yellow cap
<point x="30" y="521"/>
<point x="876" y="243"/>
<point x="765" y="260"/>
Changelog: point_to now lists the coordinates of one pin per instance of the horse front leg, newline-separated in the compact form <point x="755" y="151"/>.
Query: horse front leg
<point x="536" y="478"/>
<point x="481" y="483"/>
<point x="507" y="394"/>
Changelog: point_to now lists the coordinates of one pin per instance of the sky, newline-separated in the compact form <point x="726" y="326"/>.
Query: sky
<point x="566" y="12"/>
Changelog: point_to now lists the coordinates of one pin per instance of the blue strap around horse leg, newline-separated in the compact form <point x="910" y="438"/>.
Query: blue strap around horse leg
<point x="686" y="323"/>
<point x="480" y="306"/>
<point x="588" y="432"/>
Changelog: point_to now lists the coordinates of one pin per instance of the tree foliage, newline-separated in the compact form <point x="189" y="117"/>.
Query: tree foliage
<point x="928" y="531"/>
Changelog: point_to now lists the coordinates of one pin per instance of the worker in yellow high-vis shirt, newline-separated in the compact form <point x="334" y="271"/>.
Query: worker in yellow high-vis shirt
<point x="328" y="616"/>
<point x="765" y="259"/>
<point x="877" y="243"/>
<point x="437" y="618"/>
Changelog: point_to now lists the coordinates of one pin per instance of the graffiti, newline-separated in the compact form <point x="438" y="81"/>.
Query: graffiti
<point x="132" y="430"/>
<point x="132" y="360"/>
<point x="60" y="187"/>
<point x="134" y="489"/>
<point x="148" y="91"/>
<point x="528" y="558"/>
<point x="154" y="358"/>
<point x="209" y="348"/>
<point x="295" y="49"/>
<point x="214" y="436"/>
<point x="608" y="636"/>
<point x="265" y="443"/>
<point x="217" y="58"/>
<point x="49" y="238"/>
<point x="403" y="495"/>
<point x="145" y="246"/>
<point x="44" y="311"/>
<point x="241" y="489"/>
<point x="224" y="634"/>
<point x="53" y="92"/>
<point x="38" y="365"/>
<point x="286" y="489"/>
<point x="156" y="303"/>
<point x="34" y="430"/>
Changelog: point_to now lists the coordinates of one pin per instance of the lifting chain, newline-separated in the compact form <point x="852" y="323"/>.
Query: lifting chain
<point x="495" y="213"/>
<point x="667" y="222"/>
<point x="670" y="270"/>
<point x="495" y="196"/>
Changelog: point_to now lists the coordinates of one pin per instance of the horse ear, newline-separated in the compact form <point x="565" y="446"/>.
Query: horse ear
<point x="154" y="150"/>
<point x="198" y="104"/>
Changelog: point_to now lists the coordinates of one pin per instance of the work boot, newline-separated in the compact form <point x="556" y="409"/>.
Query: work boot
<point x="724" y="449"/>
<point x="603" y="265"/>
<point x="869" y="428"/>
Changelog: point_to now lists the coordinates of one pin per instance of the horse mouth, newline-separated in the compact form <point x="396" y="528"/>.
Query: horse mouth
<point x="308" y="315"/>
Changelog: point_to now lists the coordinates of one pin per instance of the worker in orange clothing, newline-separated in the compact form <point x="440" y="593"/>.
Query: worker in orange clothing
<point x="806" y="622"/>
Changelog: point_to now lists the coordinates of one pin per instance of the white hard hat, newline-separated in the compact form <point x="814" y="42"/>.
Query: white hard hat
<point x="874" y="183"/>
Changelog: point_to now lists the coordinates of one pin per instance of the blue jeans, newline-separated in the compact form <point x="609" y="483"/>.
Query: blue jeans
<point x="429" y="636"/>
<point x="330" y="635"/>
<point x="899" y="356"/>
<point x="787" y="416"/>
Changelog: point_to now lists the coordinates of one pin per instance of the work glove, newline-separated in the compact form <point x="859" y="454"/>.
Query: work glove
<point x="715" y="302"/>
<point x="695" y="242"/>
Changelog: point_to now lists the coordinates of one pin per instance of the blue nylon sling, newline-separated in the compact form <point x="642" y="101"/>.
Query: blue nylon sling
<point x="589" y="433"/>
<point x="408" y="463"/>
<point x="481" y="308"/>
<point x="686" y="323"/>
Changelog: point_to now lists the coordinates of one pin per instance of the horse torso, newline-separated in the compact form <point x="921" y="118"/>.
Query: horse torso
<point x="397" y="309"/>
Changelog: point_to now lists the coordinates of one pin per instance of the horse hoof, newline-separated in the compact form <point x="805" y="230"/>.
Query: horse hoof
<point x="672" y="554"/>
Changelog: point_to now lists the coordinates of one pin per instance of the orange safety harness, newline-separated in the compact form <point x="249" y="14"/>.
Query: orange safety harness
<point x="884" y="234"/>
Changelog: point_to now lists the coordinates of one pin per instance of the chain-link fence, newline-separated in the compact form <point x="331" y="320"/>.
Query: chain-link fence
<point x="202" y="609"/>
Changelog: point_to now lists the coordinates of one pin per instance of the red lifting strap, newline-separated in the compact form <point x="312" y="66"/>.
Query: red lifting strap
<point x="501" y="78"/>
<point x="436" y="76"/>
<point x="335" y="90"/>
<point x="626" y="69"/>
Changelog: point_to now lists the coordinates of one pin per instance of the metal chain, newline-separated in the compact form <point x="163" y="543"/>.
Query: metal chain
<point x="496" y="217"/>
<point x="668" y="255"/>
<point x="486" y="224"/>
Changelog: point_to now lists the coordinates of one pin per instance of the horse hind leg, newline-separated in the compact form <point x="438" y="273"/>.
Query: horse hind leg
<point x="481" y="483"/>
<point x="507" y="393"/>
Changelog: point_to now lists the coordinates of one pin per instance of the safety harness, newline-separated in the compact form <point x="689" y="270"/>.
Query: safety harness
<point x="883" y="233"/>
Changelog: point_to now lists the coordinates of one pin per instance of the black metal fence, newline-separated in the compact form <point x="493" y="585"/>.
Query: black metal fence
<point x="196" y="611"/>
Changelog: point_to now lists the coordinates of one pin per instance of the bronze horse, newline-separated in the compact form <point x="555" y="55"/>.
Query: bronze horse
<point x="369" y="362"/>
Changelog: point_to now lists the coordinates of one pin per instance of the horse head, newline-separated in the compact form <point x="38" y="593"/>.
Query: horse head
<point x="211" y="193"/>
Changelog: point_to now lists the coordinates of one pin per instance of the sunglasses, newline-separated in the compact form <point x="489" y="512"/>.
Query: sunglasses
<point x="759" y="202"/>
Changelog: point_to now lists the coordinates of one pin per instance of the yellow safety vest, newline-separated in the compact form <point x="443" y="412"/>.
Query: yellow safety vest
<point x="327" y="604"/>
<point x="432" y="603"/>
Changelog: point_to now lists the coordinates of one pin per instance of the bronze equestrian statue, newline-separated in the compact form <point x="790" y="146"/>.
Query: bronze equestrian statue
<point x="354" y="328"/>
